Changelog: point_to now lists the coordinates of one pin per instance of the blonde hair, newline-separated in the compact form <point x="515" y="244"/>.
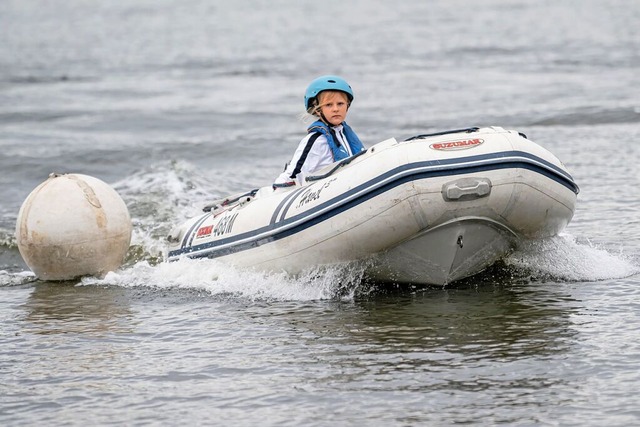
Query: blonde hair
<point x="313" y="113"/>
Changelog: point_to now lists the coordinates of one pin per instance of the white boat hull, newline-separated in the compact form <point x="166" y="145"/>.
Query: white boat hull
<point x="430" y="210"/>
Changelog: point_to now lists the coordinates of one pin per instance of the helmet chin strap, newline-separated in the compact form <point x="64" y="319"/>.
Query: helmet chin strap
<point x="317" y="111"/>
<point x="324" y="120"/>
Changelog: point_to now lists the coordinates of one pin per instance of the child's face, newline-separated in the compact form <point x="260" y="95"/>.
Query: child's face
<point x="333" y="106"/>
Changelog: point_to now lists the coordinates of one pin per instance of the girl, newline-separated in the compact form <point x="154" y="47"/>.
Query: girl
<point x="329" y="138"/>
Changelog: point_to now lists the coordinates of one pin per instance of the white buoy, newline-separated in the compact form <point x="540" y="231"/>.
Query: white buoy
<point x="73" y="225"/>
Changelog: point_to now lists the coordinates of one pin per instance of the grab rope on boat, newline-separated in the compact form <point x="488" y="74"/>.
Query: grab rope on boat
<point x="220" y="203"/>
<point x="445" y="132"/>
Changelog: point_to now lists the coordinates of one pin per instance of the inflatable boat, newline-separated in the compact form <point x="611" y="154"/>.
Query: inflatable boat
<point x="432" y="209"/>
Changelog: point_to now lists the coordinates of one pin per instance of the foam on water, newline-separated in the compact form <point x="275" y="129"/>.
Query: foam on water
<point x="14" y="279"/>
<point x="165" y="192"/>
<point x="563" y="258"/>
<point x="211" y="276"/>
<point x="164" y="195"/>
<point x="158" y="198"/>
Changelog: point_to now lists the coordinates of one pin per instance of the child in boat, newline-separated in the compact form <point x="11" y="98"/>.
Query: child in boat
<point x="329" y="138"/>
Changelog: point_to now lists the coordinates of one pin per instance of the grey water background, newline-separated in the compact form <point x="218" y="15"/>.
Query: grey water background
<point x="174" y="103"/>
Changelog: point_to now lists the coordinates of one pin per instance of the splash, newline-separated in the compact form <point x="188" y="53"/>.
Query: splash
<point x="159" y="197"/>
<point x="166" y="194"/>
<point x="562" y="258"/>
<point x="322" y="283"/>
<point x="15" y="279"/>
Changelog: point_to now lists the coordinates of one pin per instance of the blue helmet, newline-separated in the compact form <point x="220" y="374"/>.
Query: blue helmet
<point x="326" y="83"/>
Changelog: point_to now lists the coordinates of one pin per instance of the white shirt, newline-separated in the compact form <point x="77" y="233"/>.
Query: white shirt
<point x="318" y="157"/>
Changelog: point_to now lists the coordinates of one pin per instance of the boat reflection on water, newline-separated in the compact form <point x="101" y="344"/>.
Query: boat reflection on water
<point x="491" y="317"/>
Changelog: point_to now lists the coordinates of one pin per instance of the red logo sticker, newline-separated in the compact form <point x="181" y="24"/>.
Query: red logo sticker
<point x="204" y="231"/>
<point x="457" y="145"/>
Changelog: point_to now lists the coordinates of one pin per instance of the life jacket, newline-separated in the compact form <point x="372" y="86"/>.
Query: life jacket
<point x="339" y="152"/>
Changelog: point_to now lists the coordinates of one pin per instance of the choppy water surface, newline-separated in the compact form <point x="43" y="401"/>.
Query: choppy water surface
<point x="177" y="102"/>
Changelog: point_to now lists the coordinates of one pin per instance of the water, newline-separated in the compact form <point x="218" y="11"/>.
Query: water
<point x="175" y="103"/>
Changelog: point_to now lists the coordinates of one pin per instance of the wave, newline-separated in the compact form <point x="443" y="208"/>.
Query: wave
<point x="215" y="278"/>
<point x="590" y="116"/>
<point x="166" y="194"/>
<point x="583" y="116"/>
<point x="45" y="79"/>
<point x="558" y="259"/>
<point x="9" y="278"/>
<point x="39" y="116"/>
<point x="158" y="198"/>
<point x="7" y="238"/>
<point x="564" y="259"/>
<point x="13" y="270"/>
